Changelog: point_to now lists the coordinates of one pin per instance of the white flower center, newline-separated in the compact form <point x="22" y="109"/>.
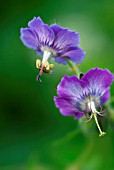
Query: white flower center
<point x="91" y="106"/>
<point x="49" y="49"/>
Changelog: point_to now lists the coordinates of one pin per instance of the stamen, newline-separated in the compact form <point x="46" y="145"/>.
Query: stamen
<point x="51" y="66"/>
<point x="101" y="133"/>
<point x="44" y="66"/>
<point x="99" y="113"/>
<point x="44" y="63"/>
<point x="38" y="63"/>
<point x="88" y="118"/>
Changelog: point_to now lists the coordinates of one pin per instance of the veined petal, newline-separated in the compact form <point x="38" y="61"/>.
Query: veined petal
<point x="98" y="79"/>
<point x="65" y="38"/>
<point x="78" y="115"/>
<point x="72" y="87"/>
<point x="76" y="54"/>
<point x="44" y="33"/>
<point x="65" y="107"/>
<point x="60" y="60"/>
<point x="35" y="22"/>
<point x="106" y="96"/>
<point x="29" y="38"/>
<point x="56" y="28"/>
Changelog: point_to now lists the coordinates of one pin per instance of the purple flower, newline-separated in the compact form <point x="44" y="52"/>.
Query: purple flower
<point x="80" y="97"/>
<point x="52" y="41"/>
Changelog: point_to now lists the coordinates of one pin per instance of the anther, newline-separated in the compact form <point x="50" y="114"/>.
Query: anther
<point x="88" y="118"/>
<point x="38" y="63"/>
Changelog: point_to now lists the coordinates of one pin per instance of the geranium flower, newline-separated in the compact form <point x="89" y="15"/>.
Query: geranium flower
<point x="52" y="41"/>
<point x="82" y="97"/>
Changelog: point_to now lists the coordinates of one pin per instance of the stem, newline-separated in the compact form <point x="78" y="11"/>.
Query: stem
<point x="67" y="138"/>
<point x="96" y="121"/>
<point x="75" y="69"/>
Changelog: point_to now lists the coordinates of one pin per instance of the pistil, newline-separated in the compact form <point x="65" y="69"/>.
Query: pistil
<point x="94" y="112"/>
<point x="46" y="56"/>
<point x="96" y="121"/>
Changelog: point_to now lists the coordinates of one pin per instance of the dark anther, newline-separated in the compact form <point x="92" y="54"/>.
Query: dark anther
<point x="81" y="75"/>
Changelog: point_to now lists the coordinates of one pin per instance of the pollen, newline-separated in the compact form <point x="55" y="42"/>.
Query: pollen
<point x="46" y="68"/>
<point x="38" y="63"/>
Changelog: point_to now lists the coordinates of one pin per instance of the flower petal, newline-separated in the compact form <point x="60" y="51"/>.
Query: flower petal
<point x="56" y="28"/>
<point x="76" y="54"/>
<point x="29" y="38"/>
<point x="106" y="96"/>
<point x="64" y="39"/>
<point x="66" y="108"/>
<point x="78" y="115"/>
<point x="98" y="79"/>
<point x="35" y="22"/>
<point x="60" y="60"/>
<point x="71" y="87"/>
<point x="44" y="33"/>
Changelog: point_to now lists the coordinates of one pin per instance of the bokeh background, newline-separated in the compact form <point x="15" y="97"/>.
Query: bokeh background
<point x="33" y="134"/>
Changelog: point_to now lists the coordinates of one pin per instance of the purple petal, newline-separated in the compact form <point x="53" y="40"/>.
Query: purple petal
<point x="65" y="38"/>
<point x="34" y="23"/>
<point x="44" y="33"/>
<point x="60" y="60"/>
<point x="39" y="52"/>
<point x="28" y="38"/>
<point x="71" y="87"/>
<point x="78" y="115"/>
<point x="56" y="28"/>
<point x="98" y="79"/>
<point x="76" y="55"/>
<point x="66" y="108"/>
<point x="106" y="96"/>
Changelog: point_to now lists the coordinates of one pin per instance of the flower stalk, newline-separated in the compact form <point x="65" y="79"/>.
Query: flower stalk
<point x="75" y="69"/>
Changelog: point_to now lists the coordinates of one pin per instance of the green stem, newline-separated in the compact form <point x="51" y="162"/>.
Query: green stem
<point x="75" y="69"/>
<point x="67" y="138"/>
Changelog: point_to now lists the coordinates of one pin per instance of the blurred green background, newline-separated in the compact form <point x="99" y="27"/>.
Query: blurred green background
<point x="33" y="134"/>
